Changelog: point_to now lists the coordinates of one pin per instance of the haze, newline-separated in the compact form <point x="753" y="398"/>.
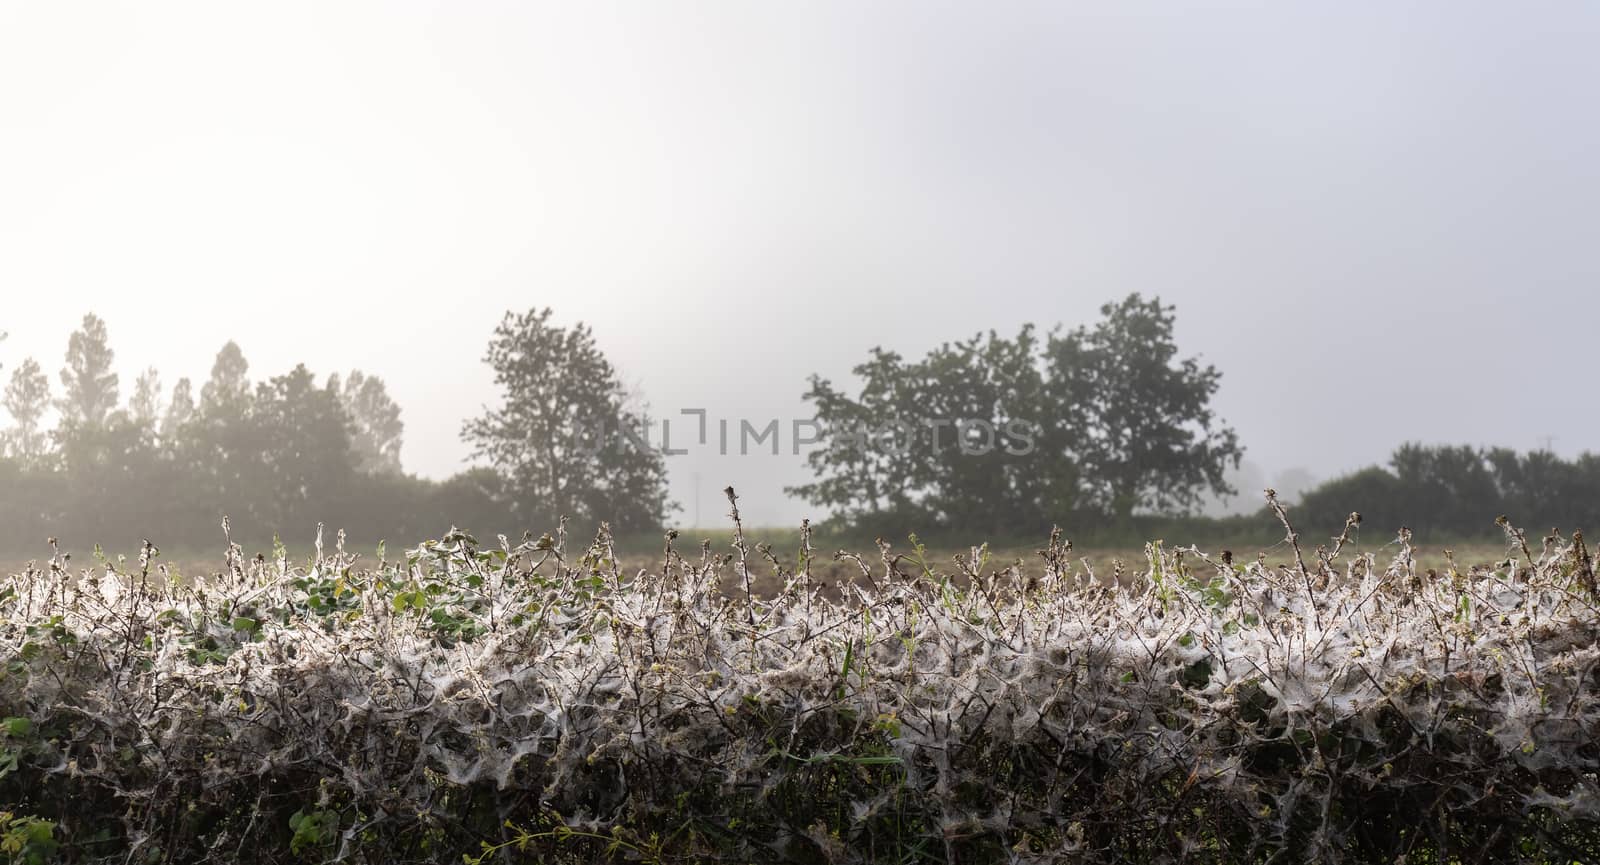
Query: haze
<point x="1376" y="219"/>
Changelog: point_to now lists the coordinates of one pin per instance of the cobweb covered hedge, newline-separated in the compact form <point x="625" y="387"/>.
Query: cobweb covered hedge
<point x="513" y="702"/>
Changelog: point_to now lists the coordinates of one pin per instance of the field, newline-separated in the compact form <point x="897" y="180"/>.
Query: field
<point x="643" y="553"/>
<point x="586" y="703"/>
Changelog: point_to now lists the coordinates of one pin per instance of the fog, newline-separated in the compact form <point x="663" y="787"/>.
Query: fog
<point x="1376" y="220"/>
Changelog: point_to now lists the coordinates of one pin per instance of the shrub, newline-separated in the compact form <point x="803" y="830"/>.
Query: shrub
<point x="514" y="702"/>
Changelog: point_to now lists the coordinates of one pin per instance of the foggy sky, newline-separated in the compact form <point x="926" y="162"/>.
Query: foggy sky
<point x="1378" y="220"/>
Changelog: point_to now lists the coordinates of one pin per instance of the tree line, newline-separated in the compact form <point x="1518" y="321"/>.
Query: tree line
<point x="995" y="435"/>
<point x="282" y="454"/>
<point x="1091" y="428"/>
<point x="1120" y="426"/>
<point x="1461" y="490"/>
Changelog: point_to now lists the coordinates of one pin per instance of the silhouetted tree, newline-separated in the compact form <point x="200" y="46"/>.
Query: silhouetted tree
<point x="27" y="398"/>
<point x="90" y="384"/>
<point x="1373" y="492"/>
<point x="377" y="431"/>
<point x="1455" y="491"/>
<point x="561" y="437"/>
<point x="228" y="388"/>
<point x="304" y="446"/>
<point x="110" y="471"/>
<point x="1446" y="488"/>
<point x="1138" y="419"/>
<point x="144" y="407"/>
<point x="1539" y="489"/>
<point x="470" y="498"/>
<point x="223" y="445"/>
<point x="1099" y="420"/>
<point x="952" y="439"/>
<point x="180" y="410"/>
<point x="276" y="457"/>
<point x="104" y="457"/>
<point x="858" y="471"/>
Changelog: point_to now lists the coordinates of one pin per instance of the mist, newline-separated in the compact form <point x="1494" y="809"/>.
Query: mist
<point x="1374" y="220"/>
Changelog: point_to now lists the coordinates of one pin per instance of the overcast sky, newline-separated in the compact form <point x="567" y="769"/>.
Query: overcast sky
<point x="1378" y="220"/>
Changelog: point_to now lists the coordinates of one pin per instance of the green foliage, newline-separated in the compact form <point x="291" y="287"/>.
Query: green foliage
<point x="23" y="839"/>
<point x="313" y="830"/>
<point x="619" y="843"/>
<point x="27" y="840"/>
<point x="15" y="733"/>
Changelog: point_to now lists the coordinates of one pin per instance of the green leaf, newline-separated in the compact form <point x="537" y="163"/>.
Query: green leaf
<point x="17" y="728"/>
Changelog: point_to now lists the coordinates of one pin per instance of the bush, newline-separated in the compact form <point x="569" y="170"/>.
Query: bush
<point x="1458" y="490"/>
<point x="1375" y="491"/>
<point x="517" y="703"/>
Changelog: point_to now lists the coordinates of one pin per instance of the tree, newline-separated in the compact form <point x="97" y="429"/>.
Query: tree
<point x="565" y="438"/>
<point x="1139" y="420"/>
<point x="1373" y="492"/>
<point x="221" y="444"/>
<point x="1097" y="420"/>
<point x="1540" y="489"/>
<point x="951" y="439"/>
<point x="105" y="466"/>
<point x="145" y="406"/>
<point x="1445" y="491"/>
<point x="377" y="431"/>
<point x="91" y="386"/>
<point x="228" y="388"/>
<point x="180" y="410"/>
<point x="303" y="442"/>
<point x="27" y="398"/>
<point x="858" y="471"/>
<point x="1445" y="487"/>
